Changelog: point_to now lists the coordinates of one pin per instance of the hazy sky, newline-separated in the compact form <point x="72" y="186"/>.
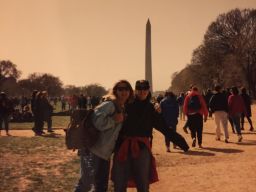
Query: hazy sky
<point x="102" y="41"/>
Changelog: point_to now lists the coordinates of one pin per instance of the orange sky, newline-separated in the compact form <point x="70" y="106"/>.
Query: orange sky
<point x="102" y="41"/>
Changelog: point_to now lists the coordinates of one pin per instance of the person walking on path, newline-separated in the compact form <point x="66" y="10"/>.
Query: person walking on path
<point x="170" y="112"/>
<point x="180" y="101"/>
<point x="236" y="107"/>
<point x="207" y="96"/>
<point x="247" y="102"/>
<point x="195" y="108"/>
<point x="219" y="106"/>
<point x="108" y="118"/>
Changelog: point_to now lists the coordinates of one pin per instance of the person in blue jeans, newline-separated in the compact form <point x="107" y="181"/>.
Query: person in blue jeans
<point x="108" y="118"/>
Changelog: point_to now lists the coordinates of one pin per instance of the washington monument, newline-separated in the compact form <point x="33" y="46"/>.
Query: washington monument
<point x="148" y="59"/>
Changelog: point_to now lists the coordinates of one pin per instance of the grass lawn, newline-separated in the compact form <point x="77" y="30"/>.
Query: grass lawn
<point x="37" y="164"/>
<point x="57" y="122"/>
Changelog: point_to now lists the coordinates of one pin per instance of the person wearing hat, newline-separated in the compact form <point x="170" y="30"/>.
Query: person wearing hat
<point x="133" y="161"/>
<point x="5" y="110"/>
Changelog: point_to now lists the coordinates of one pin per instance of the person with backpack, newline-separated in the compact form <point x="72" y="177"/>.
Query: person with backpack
<point x="133" y="161"/>
<point x="196" y="110"/>
<point x="219" y="106"/>
<point x="107" y="118"/>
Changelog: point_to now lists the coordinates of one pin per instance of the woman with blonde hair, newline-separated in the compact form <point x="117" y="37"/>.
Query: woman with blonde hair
<point x="107" y="118"/>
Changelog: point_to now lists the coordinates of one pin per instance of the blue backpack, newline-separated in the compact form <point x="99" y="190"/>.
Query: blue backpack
<point x="194" y="103"/>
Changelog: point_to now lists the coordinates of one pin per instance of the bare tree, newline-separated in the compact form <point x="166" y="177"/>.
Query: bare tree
<point x="8" y="70"/>
<point x="228" y="52"/>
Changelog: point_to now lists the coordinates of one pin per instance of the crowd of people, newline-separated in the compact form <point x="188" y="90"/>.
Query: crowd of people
<point x="126" y="118"/>
<point x="39" y="109"/>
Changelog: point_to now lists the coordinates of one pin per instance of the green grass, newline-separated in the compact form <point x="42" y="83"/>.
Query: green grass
<point x="57" y="121"/>
<point x="40" y="164"/>
<point x="37" y="164"/>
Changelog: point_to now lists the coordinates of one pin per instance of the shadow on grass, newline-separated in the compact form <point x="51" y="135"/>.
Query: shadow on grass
<point x="224" y="150"/>
<point x="52" y="135"/>
<point x="198" y="153"/>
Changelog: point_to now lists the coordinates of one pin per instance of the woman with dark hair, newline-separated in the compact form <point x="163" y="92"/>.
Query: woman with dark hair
<point x="133" y="162"/>
<point x="236" y="107"/>
<point x="247" y="102"/>
<point x="107" y="118"/>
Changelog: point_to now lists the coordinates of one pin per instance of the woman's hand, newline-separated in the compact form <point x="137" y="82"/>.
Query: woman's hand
<point x="157" y="108"/>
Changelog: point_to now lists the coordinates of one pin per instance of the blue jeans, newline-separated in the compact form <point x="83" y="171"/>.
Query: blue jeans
<point x="138" y="168"/>
<point x="94" y="173"/>
<point x="236" y="123"/>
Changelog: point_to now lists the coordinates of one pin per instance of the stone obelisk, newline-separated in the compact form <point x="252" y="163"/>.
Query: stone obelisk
<point x="148" y="59"/>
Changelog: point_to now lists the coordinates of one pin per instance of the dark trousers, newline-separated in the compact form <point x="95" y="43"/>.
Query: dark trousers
<point x="94" y="173"/>
<point x="38" y="124"/>
<point x="236" y="123"/>
<point x="138" y="168"/>
<point x="242" y="121"/>
<point x="4" y="119"/>
<point x="167" y="141"/>
<point x="49" y="123"/>
<point x="195" y="123"/>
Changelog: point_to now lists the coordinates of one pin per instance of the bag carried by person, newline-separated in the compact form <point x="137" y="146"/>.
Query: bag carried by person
<point x="194" y="103"/>
<point x="81" y="133"/>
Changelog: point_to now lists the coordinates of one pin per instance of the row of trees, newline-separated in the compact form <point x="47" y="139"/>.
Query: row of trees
<point x="10" y="83"/>
<point x="227" y="55"/>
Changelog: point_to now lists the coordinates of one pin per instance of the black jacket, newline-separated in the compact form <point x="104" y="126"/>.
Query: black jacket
<point x="141" y="118"/>
<point x="247" y="102"/>
<point x="219" y="102"/>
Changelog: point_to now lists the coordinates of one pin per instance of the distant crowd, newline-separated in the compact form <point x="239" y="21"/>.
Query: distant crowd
<point x="39" y="108"/>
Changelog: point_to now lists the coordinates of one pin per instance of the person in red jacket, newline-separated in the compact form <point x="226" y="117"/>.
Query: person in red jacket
<point x="195" y="108"/>
<point x="235" y="109"/>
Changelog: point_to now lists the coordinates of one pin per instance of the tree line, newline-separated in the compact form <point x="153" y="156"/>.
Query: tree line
<point x="227" y="55"/>
<point x="12" y="85"/>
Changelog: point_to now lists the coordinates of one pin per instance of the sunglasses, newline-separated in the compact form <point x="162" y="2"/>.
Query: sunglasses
<point x="122" y="89"/>
<point x="142" y="88"/>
